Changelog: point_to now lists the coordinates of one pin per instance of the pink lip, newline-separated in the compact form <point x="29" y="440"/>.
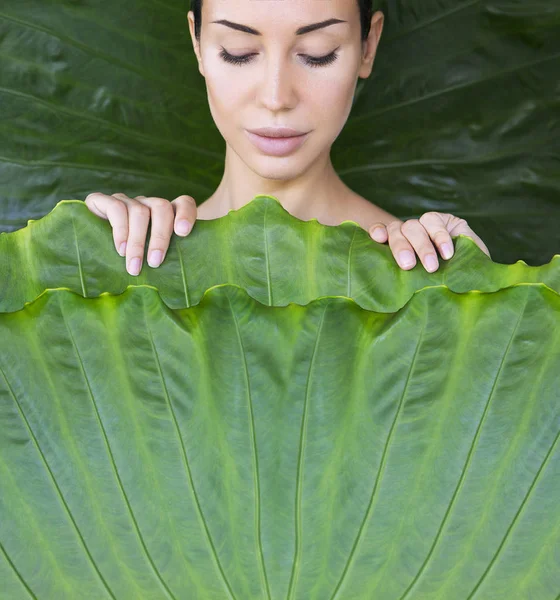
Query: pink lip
<point x="279" y="146"/>
<point x="275" y="132"/>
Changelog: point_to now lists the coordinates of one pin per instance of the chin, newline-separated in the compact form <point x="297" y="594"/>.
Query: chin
<point x="272" y="168"/>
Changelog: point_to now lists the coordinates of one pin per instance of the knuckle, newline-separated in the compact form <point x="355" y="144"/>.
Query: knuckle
<point x="409" y="225"/>
<point x="456" y="219"/>
<point x="94" y="196"/>
<point x="185" y="207"/>
<point x="187" y="199"/>
<point x="160" y="203"/>
<point x="140" y="209"/>
<point x="159" y="238"/>
<point x="394" y="226"/>
<point x="429" y="215"/>
<point x="457" y="223"/>
<point x="120" y="207"/>
<point x="136" y="244"/>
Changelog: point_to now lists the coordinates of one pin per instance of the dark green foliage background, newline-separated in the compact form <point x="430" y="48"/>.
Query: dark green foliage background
<point x="461" y="113"/>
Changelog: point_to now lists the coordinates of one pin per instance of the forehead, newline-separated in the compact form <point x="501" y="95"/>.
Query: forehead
<point x="281" y="16"/>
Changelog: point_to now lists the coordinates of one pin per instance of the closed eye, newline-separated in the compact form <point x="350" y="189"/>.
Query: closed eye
<point x="312" y="61"/>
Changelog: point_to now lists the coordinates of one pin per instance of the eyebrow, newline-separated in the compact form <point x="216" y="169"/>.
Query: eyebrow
<point x="300" y="31"/>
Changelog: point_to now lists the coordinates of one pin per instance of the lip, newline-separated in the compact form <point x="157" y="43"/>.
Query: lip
<point x="276" y="132"/>
<point x="277" y="146"/>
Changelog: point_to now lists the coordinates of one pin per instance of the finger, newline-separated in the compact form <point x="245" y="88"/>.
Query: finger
<point x="138" y="219"/>
<point x="462" y="227"/>
<point x="185" y="214"/>
<point x="162" y="215"/>
<point x="415" y="233"/>
<point x="116" y="212"/>
<point x="378" y="232"/>
<point x="436" y="225"/>
<point x="400" y="246"/>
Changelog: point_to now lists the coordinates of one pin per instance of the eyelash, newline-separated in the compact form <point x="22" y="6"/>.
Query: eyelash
<point x="312" y="61"/>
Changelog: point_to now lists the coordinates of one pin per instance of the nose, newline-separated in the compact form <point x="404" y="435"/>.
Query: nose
<point x="276" y="87"/>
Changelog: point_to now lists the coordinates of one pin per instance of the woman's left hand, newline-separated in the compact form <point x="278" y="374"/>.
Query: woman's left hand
<point x="405" y="237"/>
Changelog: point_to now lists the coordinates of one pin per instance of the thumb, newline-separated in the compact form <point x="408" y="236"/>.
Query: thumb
<point x="378" y="232"/>
<point x="185" y="214"/>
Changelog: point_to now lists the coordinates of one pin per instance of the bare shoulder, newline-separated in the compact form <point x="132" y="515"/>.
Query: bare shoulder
<point x="365" y="212"/>
<point x="205" y="212"/>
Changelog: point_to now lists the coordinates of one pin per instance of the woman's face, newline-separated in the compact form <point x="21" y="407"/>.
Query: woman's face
<point x="278" y="85"/>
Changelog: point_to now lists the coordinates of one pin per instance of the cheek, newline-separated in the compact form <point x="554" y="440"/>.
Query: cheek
<point x="330" y="100"/>
<point x="224" y="99"/>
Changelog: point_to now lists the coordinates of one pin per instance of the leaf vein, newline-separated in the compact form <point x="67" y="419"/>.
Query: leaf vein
<point x="109" y="125"/>
<point x="299" y="475"/>
<point x="114" y="465"/>
<point x="467" y="463"/>
<point x="453" y="88"/>
<point x="18" y="574"/>
<point x="112" y="60"/>
<point x="86" y="167"/>
<point x="185" y="457"/>
<point x="367" y="515"/>
<point x="257" y="491"/>
<point x="59" y="493"/>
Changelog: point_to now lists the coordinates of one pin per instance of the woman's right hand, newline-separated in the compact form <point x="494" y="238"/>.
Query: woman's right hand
<point x="129" y="219"/>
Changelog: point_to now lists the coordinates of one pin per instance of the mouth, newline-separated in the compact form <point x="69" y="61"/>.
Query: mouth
<point x="277" y="132"/>
<point x="279" y="137"/>
<point x="277" y="146"/>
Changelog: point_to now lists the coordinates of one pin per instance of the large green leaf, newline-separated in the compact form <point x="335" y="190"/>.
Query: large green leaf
<point x="319" y="450"/>
<point x="460" y="115"/>
<point x="249" y="249"/>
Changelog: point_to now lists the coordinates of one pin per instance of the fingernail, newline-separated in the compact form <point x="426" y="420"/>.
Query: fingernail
<point x="134" y="266"/>
<point x="431" y="263"/>
<point x="122" y="249"/>
<point x="183" y="227"/>
<point x="377" y="234"/>
<point x="406" y="258"/>
<point x="446" y="250"/>
<point x="155" y="258"/>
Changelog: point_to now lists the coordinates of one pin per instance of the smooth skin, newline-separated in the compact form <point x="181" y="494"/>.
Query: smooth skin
<point x="277" y="86"/>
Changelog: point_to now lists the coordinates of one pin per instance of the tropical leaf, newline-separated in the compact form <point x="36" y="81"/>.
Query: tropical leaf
<point x="460" y="115"/>
<point x="249" y="249"/>
<point x="234" y="449"/>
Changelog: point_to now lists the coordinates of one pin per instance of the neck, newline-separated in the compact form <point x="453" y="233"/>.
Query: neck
<point x="316" y="193"/>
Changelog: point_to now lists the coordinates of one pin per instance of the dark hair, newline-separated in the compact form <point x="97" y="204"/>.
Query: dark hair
<point x="366" y="12"/>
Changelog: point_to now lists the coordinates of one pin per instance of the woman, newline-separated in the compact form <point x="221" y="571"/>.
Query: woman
<point x="286" y="68"/>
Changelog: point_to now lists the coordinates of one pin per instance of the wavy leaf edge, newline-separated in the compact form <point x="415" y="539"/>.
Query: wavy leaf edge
<point x="314" y="221"/>
<point x="210" y="290"/>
